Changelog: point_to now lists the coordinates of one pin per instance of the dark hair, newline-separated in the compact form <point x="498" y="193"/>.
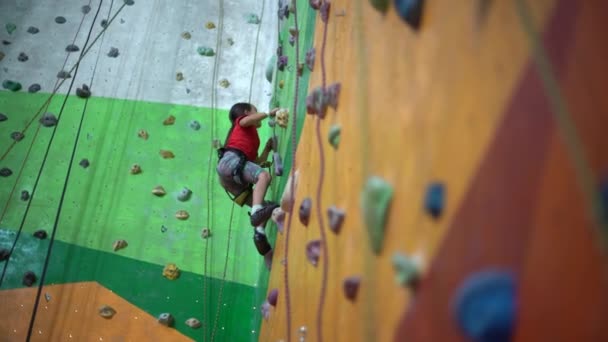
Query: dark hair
<point x="237" y="110"/>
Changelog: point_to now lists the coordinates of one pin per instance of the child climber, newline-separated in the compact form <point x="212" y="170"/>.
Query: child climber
<point x="239" y="168"/>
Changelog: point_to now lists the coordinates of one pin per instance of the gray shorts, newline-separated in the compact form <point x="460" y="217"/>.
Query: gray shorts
<point x="226" y="166"/>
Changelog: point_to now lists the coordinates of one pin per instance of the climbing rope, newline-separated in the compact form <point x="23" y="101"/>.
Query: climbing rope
<point x="65" y="184"/>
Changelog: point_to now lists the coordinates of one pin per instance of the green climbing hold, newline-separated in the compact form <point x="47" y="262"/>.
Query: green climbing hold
<point x="334" y="135"/>
<point x="375" y="201"/>
<point x="11" y="85"/>
<point x="206" y="51"/>
<point x="406" y="270"/>
<point x="380" y="5"/>
<point x="270" y="67"/>
<point x="253" y="19"/>
<point x="10" y="28"/>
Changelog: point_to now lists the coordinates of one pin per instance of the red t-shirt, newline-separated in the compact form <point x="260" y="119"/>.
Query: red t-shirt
<point x="245" y="139"/>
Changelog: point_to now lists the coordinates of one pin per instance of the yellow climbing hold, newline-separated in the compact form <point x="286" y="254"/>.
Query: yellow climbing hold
<point x="182" y="215"/>
<point x="179" y="76"/>
<point x="167" y="154"/>
<point x="171" y="272"/>
<point x="186" y="35"/>
<point x="224" y="83"/>
<point x="210" y="25"/>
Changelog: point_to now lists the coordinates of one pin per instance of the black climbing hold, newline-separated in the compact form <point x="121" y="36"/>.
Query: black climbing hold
<point x="283" y="11"/>
<point x="104" y="23"/>
<point x="351" y="287"/>
<point x="60" y="20"/>
<point x="83" y="92"/>
<point x="84" y="163"/>
<point x="6" y="42"/>
<point x="313" y="251"/>
<point x="5" y="172"/>
<point x="17" y="136"/>
<point x="40" y="234"/>
<point x="4" y="254"/>
<point x="435" y="199"/>
<point x="336" y="218"/>
<point x="129" y="2"/>
<point x="113" y="52"/>
<point x="195" y="125"/>
<point x="3" y="117"/>
<point x="166" y="319"/>
<point x="280" y="50"/>
<point x="48" y="120"/>
<point x="25" y="195"/>
<point x="72" y="48"/>
<point x="410" y="11"/>
<point x="85" y="9"/>
<point x="184" y="194"/>
<point x="304" y="211"/>
<point x="11" y="85"/>
<point x="272" y="297"/>
<point x="34" y="88"/>
<point x="63" y="74"/>
<point x="490" y="295"/>
<point x="32" y="30"/>
<point x="29" y="278"/>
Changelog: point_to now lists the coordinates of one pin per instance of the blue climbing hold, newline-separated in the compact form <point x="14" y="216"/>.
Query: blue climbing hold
<point x="604" y="197"/>
<point x="485" y="306"/>
<point x="410" y="11"/>
<point x="435" y="199"/>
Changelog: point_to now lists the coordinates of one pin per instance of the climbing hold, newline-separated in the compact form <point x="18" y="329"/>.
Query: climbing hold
<point x="205" y="51"/>
<point x="300" y="69"/>
<point x="278" y="164"/>
<point x="195" y="125"/>
<point x="270" y="68"/>
<point x="351" y="287"/>
<point x="25" y="195"/>
<point x="336" y="218"/>
<point x="184" y="195"/>
<point x="206" y="233"/>
<point x="85" y="9"/>
<point x="282" y="62"/>
<point x="435" y="199"/>
<point x="64" y="75"/>
<point x="186" y="35"/>
<point x="286" y="198"/>
<point x="410" y="11"/>
<point x="6" y="42"/>
<point x="171" y="272"/>
<point x="34" y="88"/>
<point x="40" y="234"/>
<point x="4" y="254"/>
<point x="47" y="297"/>
<point x="406" y="269"/>
<point x="324" y="11"/>
<point x="166" y="154"/>
<point x="179" y="76"/>
<point x="380" y="5"/>
<point x="29" y="278"/>
<point x="334" y="135"/>
<point x="281" y="84"/>
<point x="142" y="133"/>
<point x="293" y="31"/>
<point x="113" y="53"/>
<point x="119" y="244"/>
<point x="84" y="163"/>
<point x="282" y="117"/>
<point x="272" y="297"/>
<point x="48" y="120"/>
<point x="10" y="28"/>
<point x="304" y="212"/>
<point x="216" y="144"/>
<point x="230" y="41"/>
<point x="278" y="217"/>
<point x="83" y="92"/>
<point x="280" y="49"/>
<point x="3" y="117"/>
<point x="182" y="215"/>
<point x="22" y="57"/>
<point x="169" y="121"/>
<point x="265" y="309"/>
<point x="129" y="2"/>
<point x="485" y="306"/>
<point x="17" y="136"/>
<point x="252" y="19"/>
<point x="210" y="25"/>
<point x="224" y="83"/>
<point x="11" y="85"/>
<point x="315" y="103"/>
<point x="32" y="30"/>
<point x="193" y="323"/>
<point x="2" y="55"/>
<point x="315" y="4"/>
<point x="60" y="20"/>
<point x="313" y="251"/>
<point x="331" y="95"/>
<point x="163" y="229"/>
<point x="104" y="23"/>
<point x="106" y="311"/>
<point x="135" y="169"/>
<point x="166" y="319"/>
<point x="72" y="48"/>
<point x="375" y="202"/>
<point x="5" y="172"/>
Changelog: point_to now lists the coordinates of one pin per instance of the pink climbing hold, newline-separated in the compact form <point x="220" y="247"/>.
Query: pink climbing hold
<point x="351" y="287"/>
<point x="273" y="296"/>
<point x="313" y="251"/>
<point x="278" y="217"/>
<point x="336" y="218"/>
<point x="315" y="4"/>
<point x="265" y="310"/>
<point x="324" y="10"/>
<point x="310" y="58"/>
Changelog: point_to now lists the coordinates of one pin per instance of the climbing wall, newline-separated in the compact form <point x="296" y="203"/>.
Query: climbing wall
<point x="470" y="169"/>
<point x="108" y="177"/>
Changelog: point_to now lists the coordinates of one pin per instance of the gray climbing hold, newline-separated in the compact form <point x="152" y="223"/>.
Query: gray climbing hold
<point x="106" y="311"/>
<point x="272" y="297"/>
<point x="84" y="92"/>
<point x="407" y="270"/>
<point x="265" y="309"/>
<point x="3" y="117"/>
<point x="315" y="102"/>
<point x="29" y="278"/>
<point x="334" y="136"/>
<point x="48" y="120"/>
<point x="313" y="251"/>
<point x="40" y="234"/>
<point x="5" y="172"/>
<point x="129" y="2"/>
<point x="34" y="88"/>
<point x="72" y="48"/>
<point x="375" y="202"/>
<point x="336" y="218"/>
<point x="11" y="85"/>
<point x="193" y="323"/>
<point x="84" y="163"/>
<point x="278" y="164"/>
<point x="205" y="51"/>
<point x="166" y="319"/>
<point x="64" y="75"/>
<point x="32" y="30"/>
<point x="304" y="212"/>
<point x="113" y="52"/>
<point x="10" y="28"/>
<point x="252" y="19"/>
<point x="4" y="254"/>
<point x="17" y="136"/>
<point x="22" y="57"/>
<point x="270" y="68"/>
<point x="25" y="195"/>
<point x="351" y="287"/>
<point x="195" y="125"/>
<point x="184" y="195"/>
<point x="85" y="9"/>
<point x="331" y="95"/>
<point x="104" y="23"/>
<point x="310" y="58"/>
<point x="282" y="62"/>
<point x="60" y="20"/>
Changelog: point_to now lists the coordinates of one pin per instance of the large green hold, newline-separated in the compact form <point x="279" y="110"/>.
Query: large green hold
<point x="380" y="5"/>
<point x="10" y="28"/>
<point x="11" y="85"/>
<point x="206" y="51"/>
<point x="375" y="202"/>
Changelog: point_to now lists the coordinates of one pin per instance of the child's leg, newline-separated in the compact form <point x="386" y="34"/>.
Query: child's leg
<point x="260" y="213"/>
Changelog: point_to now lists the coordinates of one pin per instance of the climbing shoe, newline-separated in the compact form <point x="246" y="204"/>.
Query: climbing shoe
<point x="261" y="243"/>
<point x="262" y="215"/>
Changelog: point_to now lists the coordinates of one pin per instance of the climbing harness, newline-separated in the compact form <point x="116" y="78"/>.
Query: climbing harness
<point x="237" y="175"/>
